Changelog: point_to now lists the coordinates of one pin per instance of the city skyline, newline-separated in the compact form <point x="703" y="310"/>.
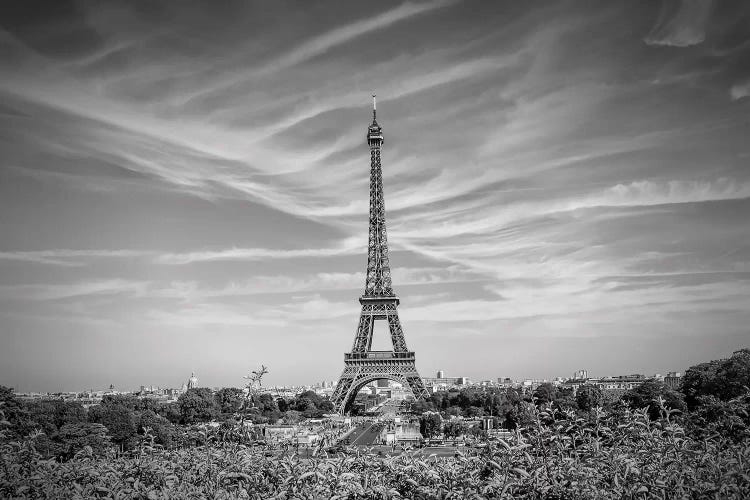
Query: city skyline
<point x="185" y="188"/>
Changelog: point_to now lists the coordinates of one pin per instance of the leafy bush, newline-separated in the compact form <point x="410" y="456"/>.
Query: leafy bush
<point x="724" y="379"/>
<point x="559" y="455"/>
<point x="647" y="395"/>
<point x="729" y="419"/>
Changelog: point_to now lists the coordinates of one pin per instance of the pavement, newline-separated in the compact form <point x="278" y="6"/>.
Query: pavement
<point x="365" y="434"/>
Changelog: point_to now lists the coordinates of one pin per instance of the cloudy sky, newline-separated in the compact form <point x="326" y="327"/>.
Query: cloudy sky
<point x="184" y="187"/>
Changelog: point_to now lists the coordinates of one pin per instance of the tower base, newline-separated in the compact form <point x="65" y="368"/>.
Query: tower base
<point x="362" y="368"/>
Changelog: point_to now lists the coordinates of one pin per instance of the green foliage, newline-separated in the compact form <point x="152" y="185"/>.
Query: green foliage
<point x="163" y="431"/>
<point x="724" y="379"/>
<point x="48" y="416"/>
<point x="430" y="424"/>
<point x="545" y="393"/>
<point x="74" y="438"/>
<point x="268" y="410"/>
<point x="454" y="428"/>
<point x="311" y="405"/>
<point x="517" y="415"/>
<point x="623" y="454"/>
<point x="229" y="400"/>
<point x="509" y="405"/>
<point x="119" y="420"/>
<point x="589" y="397"/>
<point x="197" y="405"/>
<point x="292" y="417"/>
<point x="730" y="419"/>
<point x="648" y="394"/>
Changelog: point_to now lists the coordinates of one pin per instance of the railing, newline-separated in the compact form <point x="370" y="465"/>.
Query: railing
<point x="379" y="355"/>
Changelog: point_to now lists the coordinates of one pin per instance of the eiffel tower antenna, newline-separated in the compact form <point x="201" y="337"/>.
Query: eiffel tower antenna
<point x="379" y="302"/>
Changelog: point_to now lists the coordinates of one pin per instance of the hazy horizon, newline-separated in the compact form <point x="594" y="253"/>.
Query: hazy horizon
<point x="184" y="187"/>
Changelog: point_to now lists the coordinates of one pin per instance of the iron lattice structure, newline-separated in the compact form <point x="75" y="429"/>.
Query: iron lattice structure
<point x="363" y="365"/>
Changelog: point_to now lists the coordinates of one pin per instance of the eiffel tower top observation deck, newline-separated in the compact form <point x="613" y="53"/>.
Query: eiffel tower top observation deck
<point x="378" y="280"/>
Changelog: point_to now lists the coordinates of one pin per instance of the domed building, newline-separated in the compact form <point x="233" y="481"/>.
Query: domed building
<point x="192" y="382"/>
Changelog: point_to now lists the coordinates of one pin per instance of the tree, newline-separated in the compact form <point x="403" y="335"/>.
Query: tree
<point x="75" y="437"/>
<point x="171" y="412"/>
<point x="724" y="379"/>
<point x="282" y="405"/>
<point x="268" y="408"/>
<point x="129" y="401"/>
<point x="197" y="405"/>
<point x="119" y="420"/>
<point x="545" y="393"/>
<point x="477" y="432"/>
<point x="163" y="430"/>
<point x="730" y="419"/>
<point x="311" y="405"/>
<point x="430" y="424"/>
<point x="518" y="414"/>
<point x="16" y="413"/>
<point x="647" y="395"/>
<point x="453" y="411"/>
<point x="564" y="399"/>
<point x="420" y="407"/>
<point x="252" y="386"/>
<point x="588" y="397"/>
<point x="700" y="380"/>
<point x="292" y="417"/>
<point x="474" y="411"/>
<point x="455" y="428"/>
<point x="229" y="400"/>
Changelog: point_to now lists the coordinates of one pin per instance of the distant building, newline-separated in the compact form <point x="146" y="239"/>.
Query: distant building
<point x="444" y="383"/>
<point x="440" y="374"/>
<point x="487" y="423"/>
<point x="673" y="380"/>
<point x="531" y="384"/>
<point x="505" y="382"/>
<point x="192" y="382"/>
<point x="620" y="382"/>
<point x="581" y="375"/>
<point x="402" y="433"/>
<point x="616" y="385"/>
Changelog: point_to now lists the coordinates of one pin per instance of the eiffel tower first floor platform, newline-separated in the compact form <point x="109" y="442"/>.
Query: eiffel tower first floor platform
<point x="362" y="368"/>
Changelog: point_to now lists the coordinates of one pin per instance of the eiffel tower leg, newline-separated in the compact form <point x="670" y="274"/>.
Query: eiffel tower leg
<point x="342" y="388"/>
<point x="363" y="337"/>
<point x="397" y="334"/>
<point x="418" y="388"/>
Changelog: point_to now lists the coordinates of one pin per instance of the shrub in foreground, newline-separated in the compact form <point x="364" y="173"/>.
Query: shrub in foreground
<point x="559" y="455"/>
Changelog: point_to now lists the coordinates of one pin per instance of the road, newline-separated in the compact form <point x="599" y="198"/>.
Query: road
<point x="365" y="434"/>
<point x="389" y="408"/>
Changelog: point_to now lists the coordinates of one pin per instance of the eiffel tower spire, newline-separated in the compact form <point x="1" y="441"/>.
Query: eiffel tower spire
<point x="379" y="302"/>
<point x="378" y="280"/>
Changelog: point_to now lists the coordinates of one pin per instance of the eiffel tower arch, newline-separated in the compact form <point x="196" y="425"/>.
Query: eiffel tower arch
<point x="379" y="303"/>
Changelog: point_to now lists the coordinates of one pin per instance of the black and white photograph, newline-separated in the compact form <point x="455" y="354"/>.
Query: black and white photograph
<point x="405" y="249"/>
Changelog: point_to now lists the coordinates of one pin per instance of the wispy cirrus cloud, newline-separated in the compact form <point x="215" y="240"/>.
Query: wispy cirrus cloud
<point x="347" y="247"/>
<point x="740" y="90"/>
<point x="70" y="258"/>
<point x="334" y="38"/>
<point x="79" y="290"/>
<point x="681" y="23"/>
<point x="635" y="194"/>
<point x="546" y="174"/>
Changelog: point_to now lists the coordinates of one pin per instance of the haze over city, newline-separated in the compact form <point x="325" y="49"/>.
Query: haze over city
<point x="186" y="189"/>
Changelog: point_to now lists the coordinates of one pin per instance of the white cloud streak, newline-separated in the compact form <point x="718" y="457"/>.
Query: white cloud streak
<point x="684" y="28"/>
<point x="70" y="258"/>
<point x="347" y="247"/>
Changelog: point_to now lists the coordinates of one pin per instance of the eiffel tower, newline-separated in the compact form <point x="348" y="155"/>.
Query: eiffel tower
<point x="363" y="365"/>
